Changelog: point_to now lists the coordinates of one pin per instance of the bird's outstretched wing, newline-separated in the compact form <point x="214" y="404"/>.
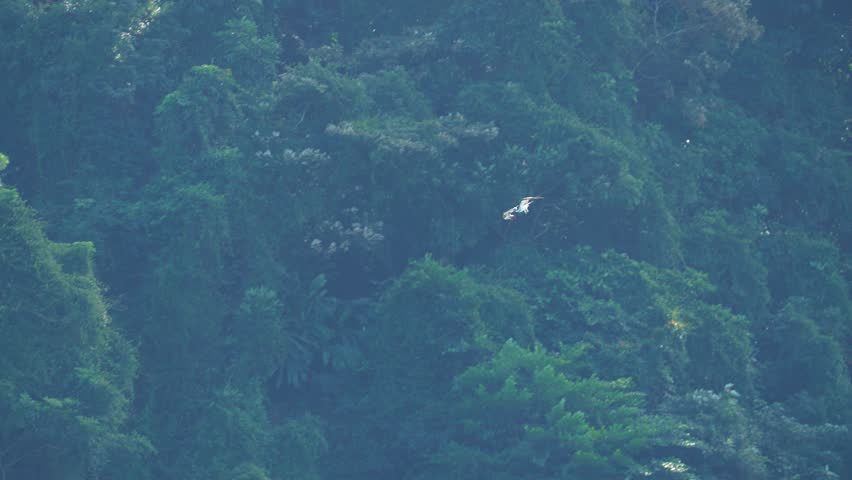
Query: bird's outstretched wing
<point x="523" y="207"/>
<point x="510" y="213"/>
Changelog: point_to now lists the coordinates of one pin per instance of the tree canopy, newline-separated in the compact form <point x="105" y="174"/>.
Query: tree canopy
<point x="263" y="239"/>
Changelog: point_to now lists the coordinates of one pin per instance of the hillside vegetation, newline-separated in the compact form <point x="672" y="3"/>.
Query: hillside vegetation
<point x="262" y="240"/>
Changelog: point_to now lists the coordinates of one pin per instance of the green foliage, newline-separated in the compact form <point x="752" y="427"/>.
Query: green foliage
<point x="802" y="359"/>
<point x="798" y="449"/>
<point x="720" y="432"/>
<point x="66" y="373"/>
<point x="680" y="49"/>
<point x="314" y="94"/>
<point x="256" y="178"/>
<point x="732" y="146"/>
<point x="302" y="446"/>
<point x="730" y="255"/>
<point x="200" y="113"/>
<point x="521" y="415"/>
<point x="435" y="317"/>
<point x="811" y="302"/>
<point x="232" y="433"/>
<point x="431" y="324"/>
<point x="252" y="58"/>
<point x="423" y="164"/>
<point x="75" y="258"/>
<point x="394" y="92"/>
<point x="61" y="66"/>
<point x="653" y="325"/>
<point x="532" y="37"/>
<point x="258" y="335"/>
<point x="589" y="176"/>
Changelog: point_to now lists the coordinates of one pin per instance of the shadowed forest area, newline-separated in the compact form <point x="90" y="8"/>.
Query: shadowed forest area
<point x="262" y="239"/>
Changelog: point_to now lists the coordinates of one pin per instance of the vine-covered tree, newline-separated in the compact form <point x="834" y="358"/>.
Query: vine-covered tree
<point x="66" y="373"/>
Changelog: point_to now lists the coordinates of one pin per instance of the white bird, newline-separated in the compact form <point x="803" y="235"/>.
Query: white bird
<point x="523" y="207"/>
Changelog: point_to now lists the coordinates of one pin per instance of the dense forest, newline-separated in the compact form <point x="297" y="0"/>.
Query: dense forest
<point x="262" y="239"/>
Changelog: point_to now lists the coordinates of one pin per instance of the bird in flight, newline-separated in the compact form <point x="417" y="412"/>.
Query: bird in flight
<point x="523" y="207"/>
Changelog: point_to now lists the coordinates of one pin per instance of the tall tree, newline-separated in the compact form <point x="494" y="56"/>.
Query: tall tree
<point x="66" y="373"/>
